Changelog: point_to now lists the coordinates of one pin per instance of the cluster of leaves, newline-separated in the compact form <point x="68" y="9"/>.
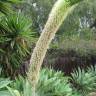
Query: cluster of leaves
<point x="3" y="83"/>
<point x="84" y="81"/>
<point x="52" y="83"/>
<point x="3" y="87"/>
<point x="16" y="38"/>
<point x="72" y="2"/>
<point x="15" y="35"/>
<point x="5" y="6"/>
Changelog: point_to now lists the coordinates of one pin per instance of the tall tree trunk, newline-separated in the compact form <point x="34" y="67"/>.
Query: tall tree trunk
<point x="59" y="12"/>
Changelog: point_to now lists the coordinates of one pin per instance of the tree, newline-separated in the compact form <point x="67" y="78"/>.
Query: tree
<point x="58" y="14"/>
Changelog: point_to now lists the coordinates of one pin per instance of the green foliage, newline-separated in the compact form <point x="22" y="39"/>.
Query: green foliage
<point x="22" y="86"/>
<point x="53" y="83"/>
<point x="71" y="2"/>
<point x="3" y="81"/>
<point x="80" y="46"/>
<point x="15" y="37"/>
<point x="80" y="20"/>
<point x="26" y="88"/>
<point x="6" y="7"/>
<point x="75" y="33"/>
<point x="38" y="11"/>
<point x="3" y="84"/>
<point x="15" y="40"/>
<point x="84" y="81"/>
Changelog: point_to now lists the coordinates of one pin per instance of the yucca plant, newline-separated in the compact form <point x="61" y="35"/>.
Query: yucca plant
<point x="15" y="39"/>
<point x="6" y="7"/>
<point x="84" y="81"/>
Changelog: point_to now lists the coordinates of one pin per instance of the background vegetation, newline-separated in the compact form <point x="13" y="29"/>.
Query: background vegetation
<point x="69" y="66"/>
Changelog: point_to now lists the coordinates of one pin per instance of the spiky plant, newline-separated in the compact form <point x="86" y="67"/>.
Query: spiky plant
<point x="20" y="87"/>
<point x="51" y="83"/>
<point x="15" y="37"/>
<point x="84" y="81"/>
<point x="56" y="17"/>
<point x="5" y="6"/>
<point x="3" y="83"/>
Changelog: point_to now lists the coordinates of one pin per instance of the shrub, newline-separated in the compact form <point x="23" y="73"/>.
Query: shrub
<point x="84" y="81"/>
<point x="15" y="41"/>
<point x="51" y="83"/>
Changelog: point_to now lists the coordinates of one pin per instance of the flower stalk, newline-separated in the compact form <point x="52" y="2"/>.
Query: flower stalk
<point x="58" y="14"/>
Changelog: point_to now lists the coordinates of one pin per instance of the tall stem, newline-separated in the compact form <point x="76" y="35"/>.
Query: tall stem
<point x="59" y="12"/>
